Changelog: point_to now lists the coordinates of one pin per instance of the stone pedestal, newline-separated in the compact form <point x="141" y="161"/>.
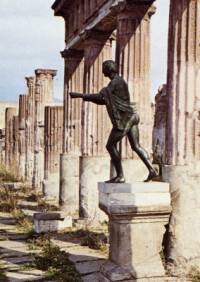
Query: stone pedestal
<point x="93" y="170"/>
<point x="138" y="214"/>
<point x="45" y="222"/>
<point x="69" y="184"/>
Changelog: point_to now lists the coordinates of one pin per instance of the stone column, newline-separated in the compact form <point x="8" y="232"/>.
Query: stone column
<point x="69" y="159"/>
<point x="138" y="213"/>
<point x="2" y="146"/>
<point x="16" y="142"/>
<point x="9" y="114"/>
<point x="23" y="103"/>
<point x="159" y="130"/>
<point x="133" y="59"/>
<point x="182" y="168"/>
<point x="29" y="129"/>
<point x="95" y="162"/>
<point x="53" y="147"/>
<point x="43" y="97"/>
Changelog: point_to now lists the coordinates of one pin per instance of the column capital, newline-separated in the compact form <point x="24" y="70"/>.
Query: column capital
<point x="136" y="11"/>
<point x="45" y="72"/>
<point x="72" y="54"/>
<point x="30" y="80"/>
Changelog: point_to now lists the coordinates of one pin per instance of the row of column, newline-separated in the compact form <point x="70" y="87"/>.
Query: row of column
<point x="87" y="126"/>
<point x="33" y="138"/>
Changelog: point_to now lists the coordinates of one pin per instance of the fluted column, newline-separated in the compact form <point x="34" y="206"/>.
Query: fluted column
<point x="23" y="103"/>
<point x="43" y="97"/>
<point x="9" y="114"/>
<point x="53" y="137"/>
<point x="16" y="141"/>
<point x="182" y="137"/>
<point x="183" y="83"/>
<point x="69" y="159"/>
<point x="133" y="59"/>
<point x="2" y="146"/>
<point x="94" y="166"/>
<point x="159" y="130"/>
<point x="29" y="130"/>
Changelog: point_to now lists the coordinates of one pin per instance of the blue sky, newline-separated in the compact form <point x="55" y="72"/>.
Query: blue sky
<point x="31" y="38"/>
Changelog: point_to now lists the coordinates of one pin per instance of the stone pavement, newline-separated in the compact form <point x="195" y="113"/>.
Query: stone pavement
<point x="16" y="257"/>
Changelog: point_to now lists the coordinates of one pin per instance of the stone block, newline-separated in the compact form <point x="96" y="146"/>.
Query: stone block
<point x="50" y="221"/>
<point x="138" y="213"/>
<point x="51" y="187"/>
<point x="69" y="184"/>
<point x="134" y="197"/>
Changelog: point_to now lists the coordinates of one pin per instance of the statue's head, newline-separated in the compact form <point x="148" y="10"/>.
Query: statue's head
<point x="109" y="67"/>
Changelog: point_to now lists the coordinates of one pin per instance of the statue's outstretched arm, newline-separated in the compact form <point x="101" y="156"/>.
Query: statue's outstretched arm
<point x="95" y="98"/>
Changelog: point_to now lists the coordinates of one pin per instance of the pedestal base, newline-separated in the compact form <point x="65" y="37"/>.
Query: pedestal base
<point x="184" y="241"/>
<point x="138" y="214"/>
<point x="69" y="184"/>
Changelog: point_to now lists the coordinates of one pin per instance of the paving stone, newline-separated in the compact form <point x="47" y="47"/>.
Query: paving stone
<point x="85" y="254"/>
<point x="11" y="254"/>
<point x="14" y="246"/>
<point x="88" y="267"/>
<point x="91" y="278"/>
<point x="30" y="275"/>
<point x="17" y="260"/>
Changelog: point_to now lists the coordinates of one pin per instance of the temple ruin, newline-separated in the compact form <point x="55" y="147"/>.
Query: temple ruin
<point x="60" y="149"/>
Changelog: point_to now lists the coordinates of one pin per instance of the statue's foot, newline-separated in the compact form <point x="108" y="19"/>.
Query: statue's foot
<point x="117" y="179"/>
<point x="152" y="174"/>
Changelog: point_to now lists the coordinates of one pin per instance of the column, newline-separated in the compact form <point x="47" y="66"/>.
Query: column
<point x="53" y="144"/>
<point x="2" y="146"/>
<point x="43" y="97"/>
<point x="69" y="159"/>
<point x="9" y="114"/>
<point x="159" y="129"/>
<point x="95" y="162"/>
<point x="133" y="59"/>
<point x="16" y="142"/>
<point x="23" y="103"/>
<point x="29" y="129"/>
<point x="182" y="168"/>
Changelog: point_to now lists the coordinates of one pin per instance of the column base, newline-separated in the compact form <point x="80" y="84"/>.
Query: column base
<point x="51" y="187"/>
<point x="110" y="272"/>
<point x="92" y="170"/>
<point x="183" y="250"/>
<point x="138" y="213"/>
<point x="29" y="167"/>
<point x="69" y="184"/>
<point x="22" y="163"/>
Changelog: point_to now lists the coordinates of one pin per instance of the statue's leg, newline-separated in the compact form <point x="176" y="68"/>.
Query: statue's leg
<point x="133" y="136"/>
<point x="111" y="146"/>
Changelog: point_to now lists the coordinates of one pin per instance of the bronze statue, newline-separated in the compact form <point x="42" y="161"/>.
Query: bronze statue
<point x="124" y="118"/>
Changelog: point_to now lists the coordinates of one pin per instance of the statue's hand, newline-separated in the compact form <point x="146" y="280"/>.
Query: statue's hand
<point x="75" y="95"/>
